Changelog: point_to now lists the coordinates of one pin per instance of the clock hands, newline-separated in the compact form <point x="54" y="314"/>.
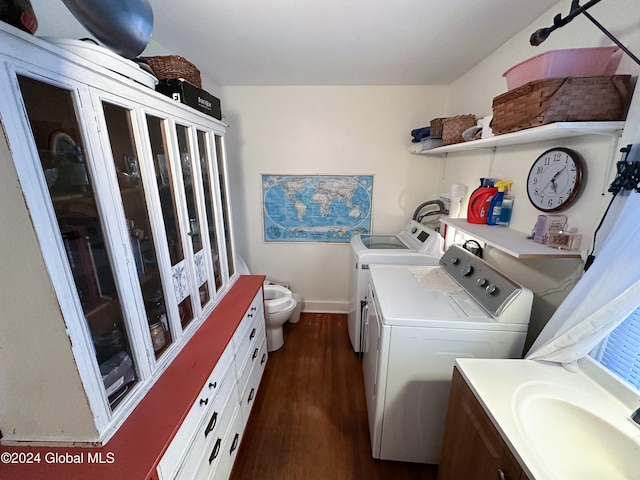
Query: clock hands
<point x="552" y="182"/>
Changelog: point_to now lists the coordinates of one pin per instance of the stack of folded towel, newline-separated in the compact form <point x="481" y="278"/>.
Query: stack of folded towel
<point x="422" y="140"/>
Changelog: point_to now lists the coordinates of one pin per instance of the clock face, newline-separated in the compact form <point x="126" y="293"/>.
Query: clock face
<point x="555" y="179"/>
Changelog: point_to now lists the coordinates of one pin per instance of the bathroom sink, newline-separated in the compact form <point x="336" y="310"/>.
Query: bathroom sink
<point x="574" y="437"/>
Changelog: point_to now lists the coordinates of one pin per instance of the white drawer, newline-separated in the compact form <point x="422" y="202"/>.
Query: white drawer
<point x="253" y="316"/>
<point x="214" y="424"/>
<point x="229" y="448"/>
<point x="216" y="453"/>
<point x="250" y="389"/>
<point x="252" y="340"/>
<point x="172" y="457"/>
<point x="258" y="355"/>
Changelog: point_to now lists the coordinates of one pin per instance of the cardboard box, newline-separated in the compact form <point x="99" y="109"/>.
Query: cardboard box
<point x="184" y="92"/>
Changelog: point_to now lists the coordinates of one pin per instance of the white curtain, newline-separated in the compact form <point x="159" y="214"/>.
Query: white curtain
<point x="606" y="294"/>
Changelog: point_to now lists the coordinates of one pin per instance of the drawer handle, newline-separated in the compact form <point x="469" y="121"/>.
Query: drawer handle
<point x="213" y="384"/>
<point x="204" y="401"/>
<point x="255" y="354"/>
<point x="251" y="394"/>
<point x="252" y="334"/>
<point x="215" y="451"/>
<point x="234" y="445"/>
<point x="264" y="358"/>
<point x="253" y="309"/>
<point x="211" y="425"/>
<point x="501" y="475"/>
<point x="249" y="315"/>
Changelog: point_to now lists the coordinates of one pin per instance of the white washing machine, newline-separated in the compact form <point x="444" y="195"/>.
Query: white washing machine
<point x="418" y="320"/>
<point x="416" y="244"/>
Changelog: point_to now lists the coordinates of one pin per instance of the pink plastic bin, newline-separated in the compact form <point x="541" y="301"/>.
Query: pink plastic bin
<point x="570" y="62"/>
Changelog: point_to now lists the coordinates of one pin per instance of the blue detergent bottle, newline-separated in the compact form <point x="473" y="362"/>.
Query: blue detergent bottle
<point x="506" y="208"/>
<point x="495" y="207"/>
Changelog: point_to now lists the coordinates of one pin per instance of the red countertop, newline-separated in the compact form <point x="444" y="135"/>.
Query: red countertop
<point x="135" y="450"/>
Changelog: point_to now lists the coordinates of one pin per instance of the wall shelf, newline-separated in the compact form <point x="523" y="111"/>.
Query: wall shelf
<point x="537" y="134"/>
<point x="510" y="241"/>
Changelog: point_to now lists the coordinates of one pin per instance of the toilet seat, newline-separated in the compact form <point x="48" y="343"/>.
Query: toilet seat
<point x="277" y="298"/>
<point x="284" y="305"/>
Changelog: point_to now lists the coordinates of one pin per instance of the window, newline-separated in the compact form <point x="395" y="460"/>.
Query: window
<point x="620" y="352"/>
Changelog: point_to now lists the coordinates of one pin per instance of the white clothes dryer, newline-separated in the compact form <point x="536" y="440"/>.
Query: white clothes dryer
<point x="416" y="244"/>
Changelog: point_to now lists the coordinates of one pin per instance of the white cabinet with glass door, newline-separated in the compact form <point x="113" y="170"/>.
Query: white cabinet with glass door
<point x="120" y="197"/>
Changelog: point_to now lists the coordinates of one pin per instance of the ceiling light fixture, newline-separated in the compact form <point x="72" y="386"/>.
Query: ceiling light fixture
<point x="542" y="34"/>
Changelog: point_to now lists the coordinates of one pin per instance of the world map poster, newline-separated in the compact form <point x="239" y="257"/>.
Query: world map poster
<point x="316" y="208"/>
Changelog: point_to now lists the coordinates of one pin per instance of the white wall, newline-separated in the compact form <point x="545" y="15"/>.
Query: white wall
<point x="326" y="130"/>
<point x="550" y="280"/>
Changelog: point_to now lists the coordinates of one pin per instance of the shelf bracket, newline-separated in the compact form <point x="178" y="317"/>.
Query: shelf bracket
<point x="492" y="159"/>
<point x="443" y="162"/>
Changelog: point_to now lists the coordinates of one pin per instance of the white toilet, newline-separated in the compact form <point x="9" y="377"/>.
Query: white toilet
<point x="279" y="303"/>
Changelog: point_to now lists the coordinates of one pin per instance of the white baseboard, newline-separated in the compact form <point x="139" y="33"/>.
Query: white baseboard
<point x="325" y="307"/>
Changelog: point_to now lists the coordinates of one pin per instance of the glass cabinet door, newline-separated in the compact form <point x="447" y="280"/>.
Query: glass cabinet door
<point x="190" y="176"/>
<point x="169" y="202"/>
<point x="54" y="124"/>
<point x="226" y="209"/>
<point x="208" y="176"/>
<point x="128" y="169"/>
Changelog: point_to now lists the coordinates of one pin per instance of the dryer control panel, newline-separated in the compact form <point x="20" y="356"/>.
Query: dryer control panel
<point x="422" y="239"/>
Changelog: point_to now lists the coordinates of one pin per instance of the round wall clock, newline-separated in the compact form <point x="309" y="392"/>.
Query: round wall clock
<point x="555" y="179"/>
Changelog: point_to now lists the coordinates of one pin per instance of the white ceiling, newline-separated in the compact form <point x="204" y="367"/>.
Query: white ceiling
<point x="339" y="42"/>
<point x="327" y="42"/>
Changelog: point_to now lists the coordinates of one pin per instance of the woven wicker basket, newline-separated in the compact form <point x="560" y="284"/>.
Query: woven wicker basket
<point x="174" y="66"/>
<point x="572" y="99"/>
<point x="436" y="127"/>
<point x="452" y="128"/>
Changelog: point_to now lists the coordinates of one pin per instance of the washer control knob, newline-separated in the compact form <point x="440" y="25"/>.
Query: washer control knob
<point x="481" y="282"/>
<point x="491" y="289"/>
<point x="467" y="270"/>
<point x="455" y="260"/>
<point x="414" y="229"/>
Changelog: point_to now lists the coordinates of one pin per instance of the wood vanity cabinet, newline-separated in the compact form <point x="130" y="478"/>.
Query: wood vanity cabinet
<point x="472" y="447"/>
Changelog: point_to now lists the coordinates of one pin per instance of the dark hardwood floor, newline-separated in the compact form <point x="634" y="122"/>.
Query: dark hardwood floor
<point x="310" y="420"/>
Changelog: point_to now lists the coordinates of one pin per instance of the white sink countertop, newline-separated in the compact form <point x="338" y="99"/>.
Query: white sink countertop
<point x="560" y="424"/>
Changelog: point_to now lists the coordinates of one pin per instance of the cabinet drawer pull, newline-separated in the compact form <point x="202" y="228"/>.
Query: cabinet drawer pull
<point x="212" y="424"/>
<point x="253" y="309"/>
<point x="251" y="394"/>
<point x="215" y="451"/>
<point x="249" y="315"/>
<point x="204" y="401"/>
<point x="234" y="445"/>
<point x="264" y="358"/>
<point x="213" y="384"/>
<point x="252" y="334"/>
<point x="501" y="475"/>
<point x="255" y="354"/>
